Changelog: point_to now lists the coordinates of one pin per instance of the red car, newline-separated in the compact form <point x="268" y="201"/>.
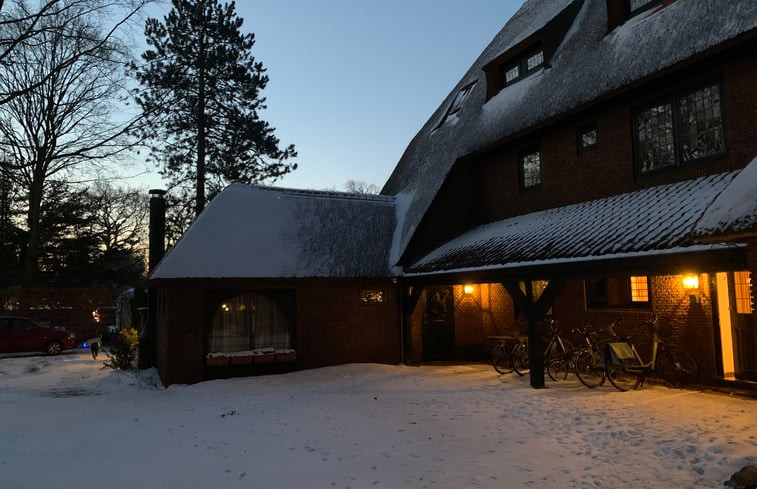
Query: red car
<point x="22" y="334"/>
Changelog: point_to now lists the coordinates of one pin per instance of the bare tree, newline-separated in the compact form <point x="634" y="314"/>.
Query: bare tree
<point x="22" y="25"/>
<point x="118" y="216"/>
<point x="361" y="187"/>
<point x="68" y="116"/>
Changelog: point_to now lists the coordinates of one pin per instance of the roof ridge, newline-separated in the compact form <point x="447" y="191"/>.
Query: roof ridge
<point x="330" y="194"/>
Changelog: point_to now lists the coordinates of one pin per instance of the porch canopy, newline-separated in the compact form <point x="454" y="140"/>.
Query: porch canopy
<point x="644" y="232"/>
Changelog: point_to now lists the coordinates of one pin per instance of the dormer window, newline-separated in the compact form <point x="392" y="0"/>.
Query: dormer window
<point x="522" y="66"/>
<point x="457" y="103"/>
<point x="637" y="6"/>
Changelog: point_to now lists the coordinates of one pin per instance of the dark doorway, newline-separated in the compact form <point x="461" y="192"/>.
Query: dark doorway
<point x="439" y="324"/>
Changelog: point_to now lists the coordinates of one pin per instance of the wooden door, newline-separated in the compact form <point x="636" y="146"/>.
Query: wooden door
<point x="743" y="327"/>
<point x="439" y="324"/>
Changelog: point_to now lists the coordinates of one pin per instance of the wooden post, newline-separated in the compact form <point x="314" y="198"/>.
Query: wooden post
<point x="535" y="311"/>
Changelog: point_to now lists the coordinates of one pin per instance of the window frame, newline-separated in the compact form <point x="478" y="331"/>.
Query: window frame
<point x="584" y="129"/>
<point x="457" y="102"/>
<point x="672" y="99"/>
<point x="521" y="168"/>
<point x="627" y="303"/>
<point x="521" y="62"/>
<point x="634" y="12"/>
<point x="367" y="296"/>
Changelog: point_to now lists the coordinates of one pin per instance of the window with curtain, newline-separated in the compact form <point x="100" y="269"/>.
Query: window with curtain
<point x="250" y="321"/>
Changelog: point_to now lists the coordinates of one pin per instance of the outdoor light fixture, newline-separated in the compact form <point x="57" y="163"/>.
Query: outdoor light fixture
<point x="691" y="282"/>
<point x="468" y="289"/>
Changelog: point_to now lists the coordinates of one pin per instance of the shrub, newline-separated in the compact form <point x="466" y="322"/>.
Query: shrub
<point x="123" y="350"/>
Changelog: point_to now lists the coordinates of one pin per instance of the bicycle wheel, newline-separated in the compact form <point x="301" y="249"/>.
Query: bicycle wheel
<point x="520" y="359"/>
<point x="558" y="368"/>
<point x="622" y="379"/>
<point x="590" y="368"/>
<point x="677" y="366"/>
<point x="502" y="359"/>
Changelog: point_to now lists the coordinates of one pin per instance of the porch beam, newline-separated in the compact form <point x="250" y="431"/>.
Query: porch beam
<point x="535" y="312"/>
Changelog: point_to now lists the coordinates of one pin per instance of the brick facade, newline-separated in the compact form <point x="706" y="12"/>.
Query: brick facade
<point x="485" y="188"/>
<point x="331" y="325"/>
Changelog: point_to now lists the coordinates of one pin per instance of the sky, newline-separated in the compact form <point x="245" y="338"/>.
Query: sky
<point x="351" y="82"/>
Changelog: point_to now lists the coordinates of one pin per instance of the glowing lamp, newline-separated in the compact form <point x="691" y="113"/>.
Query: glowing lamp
<point x="468" y="289"/>
<point x="691" y="282"/>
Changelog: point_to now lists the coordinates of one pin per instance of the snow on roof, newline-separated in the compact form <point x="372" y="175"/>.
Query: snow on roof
<point x="646" y="221"/>
<point x="735" y="209"/>
<point x="588" y="64"/>
<point x="249" y="231"/>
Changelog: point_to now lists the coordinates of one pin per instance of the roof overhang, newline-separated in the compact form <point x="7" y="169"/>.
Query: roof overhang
<point x="691" y="259"/>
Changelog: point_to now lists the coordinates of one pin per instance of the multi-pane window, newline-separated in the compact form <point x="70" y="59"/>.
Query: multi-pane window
<point x="521" y="67"/>
<point x="701" y="125"/>
<point x="512" y="73"/>
<point x="639" y="289"/>
<point x="587" y="138"/>
<point x="371" y="296"/>
<point x="457" y="102"/>
<point x="618" y="292"/>
<point x="637" y="6"/>
<point x="530" y="169"/>
<point x="743" y="292"/>
<point x="535" y="60"/>
<point x="680" y="129"/>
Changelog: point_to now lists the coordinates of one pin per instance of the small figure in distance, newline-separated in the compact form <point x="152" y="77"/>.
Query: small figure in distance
<point x="94" y="346"/>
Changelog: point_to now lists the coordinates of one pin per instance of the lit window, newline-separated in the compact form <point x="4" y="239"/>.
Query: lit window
<point x="639" y="289"/>
<point x="743" y="292"/>
<point x="618" y="292"/>
<point x="679" y="130"/>
<point x="250" y="321"/>
<point x="371" y="296"/>
<point x="530" y="169"/>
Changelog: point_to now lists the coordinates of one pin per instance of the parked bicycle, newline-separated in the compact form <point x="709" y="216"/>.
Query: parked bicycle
<point x="502" y="353"/>
<point x="589" y="361"/>
<point x="558" y="349"/>
<point x="626" y="370"/>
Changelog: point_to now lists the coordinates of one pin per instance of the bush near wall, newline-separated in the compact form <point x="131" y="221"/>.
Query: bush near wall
<point x="85" y="312"/>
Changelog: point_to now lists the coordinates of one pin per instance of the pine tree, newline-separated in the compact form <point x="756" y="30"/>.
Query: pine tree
<point x="200" y="95"/>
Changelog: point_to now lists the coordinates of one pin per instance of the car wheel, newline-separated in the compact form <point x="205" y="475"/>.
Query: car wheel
<point x="54" y="348"/>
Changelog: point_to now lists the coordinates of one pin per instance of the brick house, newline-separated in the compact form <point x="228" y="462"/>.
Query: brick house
<point x="595" y="154"/>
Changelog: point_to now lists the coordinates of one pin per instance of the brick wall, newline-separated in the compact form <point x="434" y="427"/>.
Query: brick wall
<point x="331" y="325"/>
<point x="85" y="312"/>
<point x="486" y="188"/>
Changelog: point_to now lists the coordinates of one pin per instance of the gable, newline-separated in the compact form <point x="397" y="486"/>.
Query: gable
<point x="590" y="64"/>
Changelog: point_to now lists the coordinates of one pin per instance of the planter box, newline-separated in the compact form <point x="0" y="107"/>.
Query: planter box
<point x="286" y="356"/>
<point x="264" y="358"/>
<point x="217" y="360"/>
<point x="241" y="359"/>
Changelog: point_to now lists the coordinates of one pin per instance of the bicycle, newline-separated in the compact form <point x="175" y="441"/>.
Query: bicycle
<point x="589" y="361"/>
<point x="557" y="349"/>
<point x="626" y="370"/>
<point x="502" y="353"/>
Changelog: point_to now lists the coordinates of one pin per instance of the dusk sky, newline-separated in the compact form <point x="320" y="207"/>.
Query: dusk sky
<point x="351" y="82"/>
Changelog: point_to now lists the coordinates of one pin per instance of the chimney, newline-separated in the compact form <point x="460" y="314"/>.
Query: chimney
<point x="148" y="337"/>
<point x="157" y="228"/>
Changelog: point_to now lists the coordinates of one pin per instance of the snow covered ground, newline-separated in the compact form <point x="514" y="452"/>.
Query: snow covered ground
<point x="67" y="423"/>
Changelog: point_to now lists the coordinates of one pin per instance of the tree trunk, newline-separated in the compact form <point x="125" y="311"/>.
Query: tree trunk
<point x="201" y="129"/>
<point x="33" y="216"/>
